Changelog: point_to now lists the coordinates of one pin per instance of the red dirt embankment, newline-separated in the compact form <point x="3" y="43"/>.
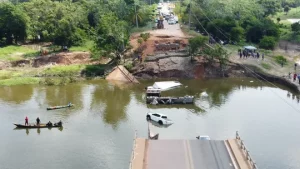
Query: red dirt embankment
<point x="170" y="34"/>
<point x="63" y="58"/>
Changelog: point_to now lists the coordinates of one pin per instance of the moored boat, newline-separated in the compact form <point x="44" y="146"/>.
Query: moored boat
<point x="48" y="125"/>
<point x="60" y="107"/>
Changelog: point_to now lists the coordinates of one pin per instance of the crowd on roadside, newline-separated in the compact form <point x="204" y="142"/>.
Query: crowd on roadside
<point x="250" y="53"/>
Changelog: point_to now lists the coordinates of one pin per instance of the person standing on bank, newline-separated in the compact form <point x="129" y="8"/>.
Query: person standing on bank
<point x="38" y="121"/>
<point x="295" y="76"/>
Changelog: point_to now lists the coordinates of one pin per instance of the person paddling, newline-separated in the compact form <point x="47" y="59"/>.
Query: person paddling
<point x="26" y="121"/>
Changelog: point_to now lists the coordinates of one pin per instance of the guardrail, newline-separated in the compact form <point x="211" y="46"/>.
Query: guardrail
<point x="127" y="75"/>
<point x="243" y="147"/>
<point x="132" y="152"/>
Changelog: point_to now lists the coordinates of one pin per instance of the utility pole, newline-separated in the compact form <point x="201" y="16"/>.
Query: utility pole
<point x="190" y="15"/>
<point x="136" y="17"/>
<point x="151" y="14"/>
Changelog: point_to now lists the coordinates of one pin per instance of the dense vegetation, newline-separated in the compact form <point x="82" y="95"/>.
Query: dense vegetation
<point x="73" y="22"/>
<point x="237" y="21"/>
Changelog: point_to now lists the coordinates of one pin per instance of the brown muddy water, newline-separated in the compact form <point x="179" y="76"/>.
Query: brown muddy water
<point x="98" y="132"/>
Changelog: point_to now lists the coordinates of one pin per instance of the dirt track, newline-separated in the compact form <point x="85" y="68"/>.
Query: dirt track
<point x="170" y="34"/>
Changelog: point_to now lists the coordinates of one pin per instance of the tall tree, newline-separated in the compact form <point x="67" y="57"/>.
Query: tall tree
<point x="270" y="6"/>
<point x="112" y="35"/>
<point x="286" y="9"/>
<point x="13" y="25"/>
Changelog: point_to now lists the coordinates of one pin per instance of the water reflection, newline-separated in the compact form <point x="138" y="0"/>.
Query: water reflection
<point x="158" y="125"/>
<point x="62" y="95"/>
<point x="293" y="96"/>
<point x="114" y="99"/>
<point x="16" y="94"/>
<point x="38" y="130"/>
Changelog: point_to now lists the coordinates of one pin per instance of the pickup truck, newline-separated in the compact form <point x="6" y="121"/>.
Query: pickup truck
<point x="159" y="118"/>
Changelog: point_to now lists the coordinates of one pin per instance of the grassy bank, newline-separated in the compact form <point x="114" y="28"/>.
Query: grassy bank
<point x="55" y="75"/>
<point x="87" y="46"/>
<point x="271" y="64"/>
<point x="11" y="53"/>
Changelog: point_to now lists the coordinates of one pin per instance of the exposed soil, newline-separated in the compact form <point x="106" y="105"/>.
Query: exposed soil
<point x="4" y="65"/>
<point x="63" y="58"/>
<point x="170" y="34"/>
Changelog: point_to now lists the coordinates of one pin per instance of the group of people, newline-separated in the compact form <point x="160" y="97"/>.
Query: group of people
<point x="38" y="121"/>
<point x="247" y="53"/>
<point x="295" y="76"/>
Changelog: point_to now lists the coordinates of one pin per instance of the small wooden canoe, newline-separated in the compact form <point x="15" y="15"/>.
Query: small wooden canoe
<point x="37" y="126"/>
<point x="59" y="107"/>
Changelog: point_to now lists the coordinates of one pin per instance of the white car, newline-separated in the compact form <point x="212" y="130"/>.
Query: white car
<point x="176" y="19"/>
<point x="203" y="137"/>
<point x="159" y="118"/>
<point x="171" y="21"/>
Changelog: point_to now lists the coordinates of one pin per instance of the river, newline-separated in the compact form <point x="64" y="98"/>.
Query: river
<point x="98" y="132"/>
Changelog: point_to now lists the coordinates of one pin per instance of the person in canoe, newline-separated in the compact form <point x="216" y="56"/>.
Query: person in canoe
<point x="26" y="121"/>
<point x="49" y="124"/>
<point x="38" y="121"/>
<point x="70" y="104"/>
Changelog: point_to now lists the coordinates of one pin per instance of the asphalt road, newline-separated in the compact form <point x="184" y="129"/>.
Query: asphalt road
<point x="187" y="154"/>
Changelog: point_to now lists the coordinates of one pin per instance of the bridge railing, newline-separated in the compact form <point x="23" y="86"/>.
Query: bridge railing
<point x="132" y="152"/>
<point x="127" y="75"/>
<point x="246" y="152"/>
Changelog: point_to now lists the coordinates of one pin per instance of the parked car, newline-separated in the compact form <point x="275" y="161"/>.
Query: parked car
<point x="171" y="21"/>
<point x="203" y="137"/>
<point x="159" y="118"/>
<point x="176" y="19"/>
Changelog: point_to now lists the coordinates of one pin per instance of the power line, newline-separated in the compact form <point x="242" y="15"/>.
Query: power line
<point x="213" y="23"/>
<point x="257" y="75"/>
<point x="200" y="23"/>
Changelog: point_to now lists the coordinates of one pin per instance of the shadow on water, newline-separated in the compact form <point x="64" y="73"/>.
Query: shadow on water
<point x="115" y="100"/>
<point x="16" y="94"/>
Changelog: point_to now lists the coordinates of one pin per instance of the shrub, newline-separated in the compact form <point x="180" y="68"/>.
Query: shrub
<point x="266" y="66"/>
<point x="145" y="36"/>
<point x="140" y="41"/>
<point x="129" y="66"/>
<point x="94" y="70"/>
<point x="281" y="60"/>
<point x="267" y="42"/>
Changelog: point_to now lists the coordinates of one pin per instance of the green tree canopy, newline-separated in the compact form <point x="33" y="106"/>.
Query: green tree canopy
<point x="270" y="6"/>
<point x="286" y="9"/>
<point x="13" y="24"/>
<point x="196" y="43"/>
<point x="112" y="34"/>
<point x="295" y="27"/>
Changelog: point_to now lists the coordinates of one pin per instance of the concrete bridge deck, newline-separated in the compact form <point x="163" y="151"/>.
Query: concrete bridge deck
<point x="190" y="154"/>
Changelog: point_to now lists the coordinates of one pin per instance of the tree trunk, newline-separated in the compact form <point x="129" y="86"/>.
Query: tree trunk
<point x="9" y="40"/>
